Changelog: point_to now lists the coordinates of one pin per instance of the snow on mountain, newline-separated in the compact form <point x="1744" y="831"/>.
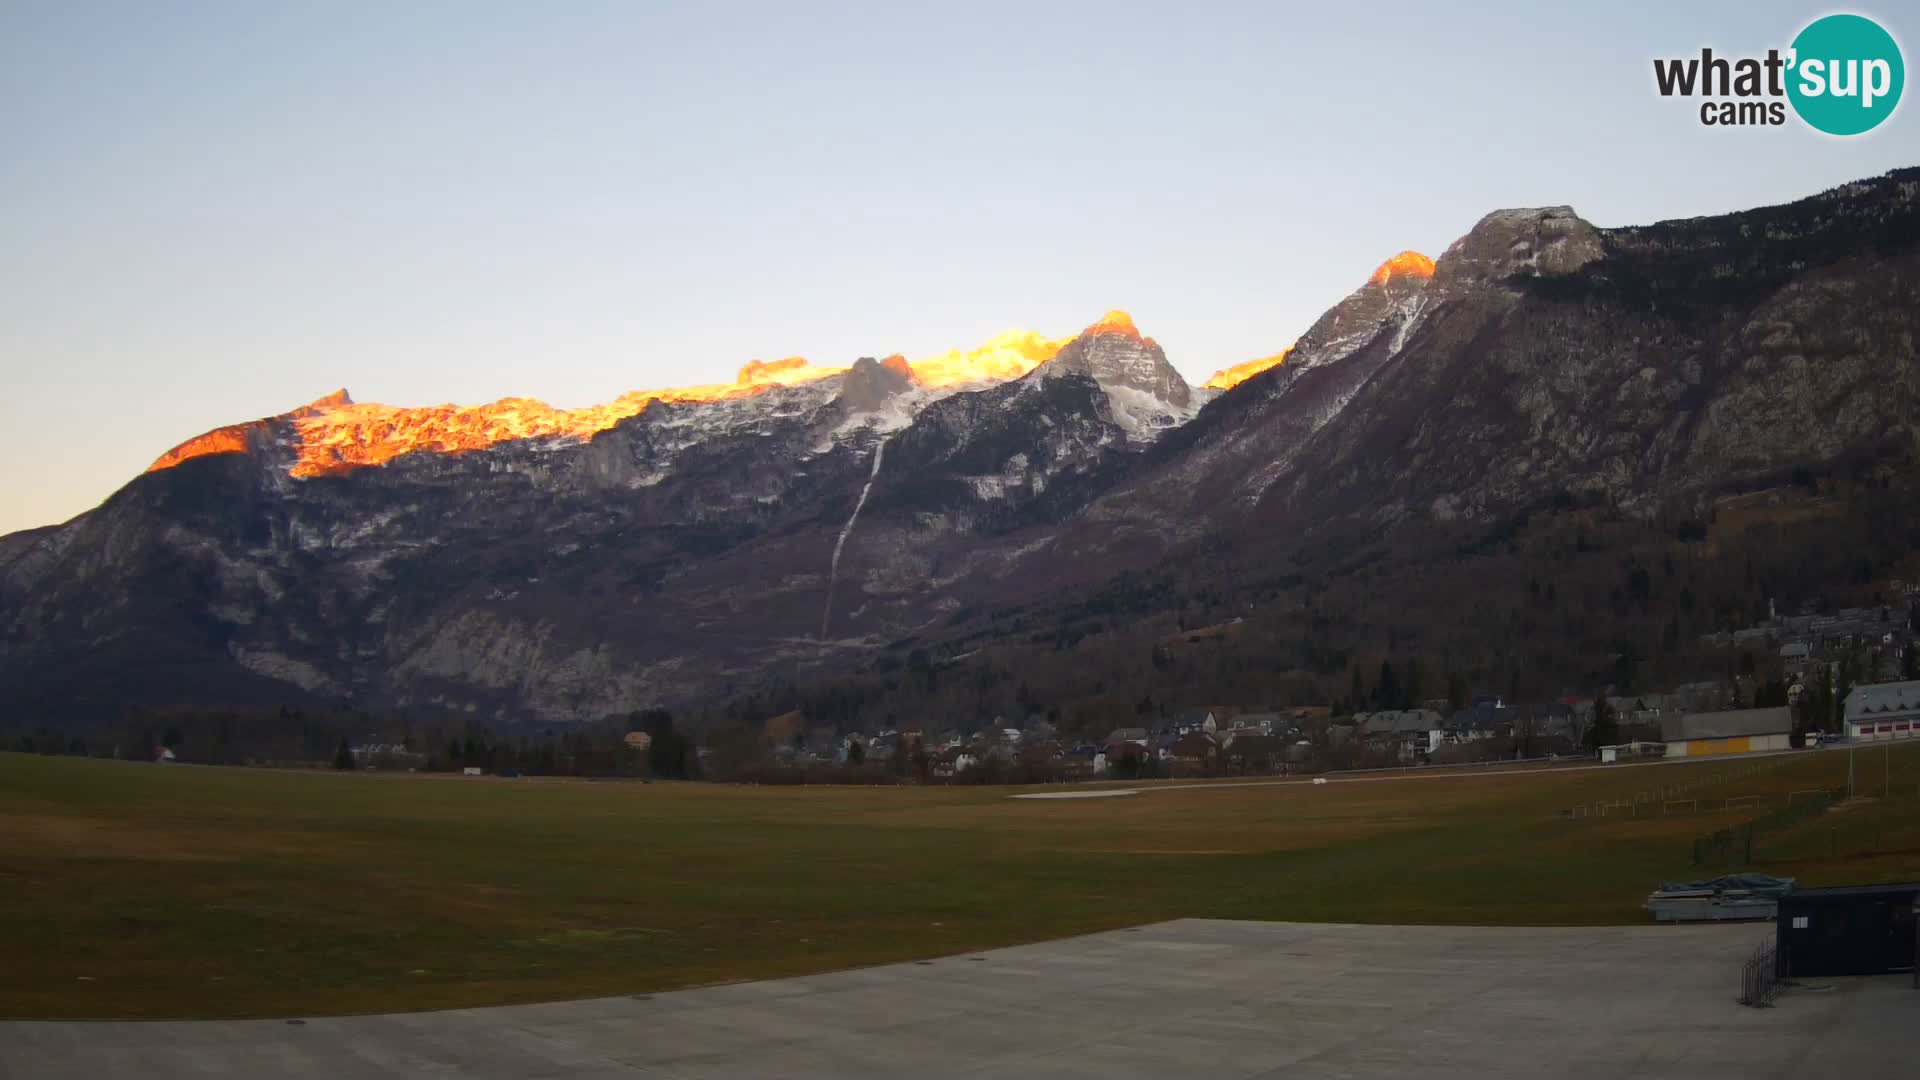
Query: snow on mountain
<point x="1146" y="395"/>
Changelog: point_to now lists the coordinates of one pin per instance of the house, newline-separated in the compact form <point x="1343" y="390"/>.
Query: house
<point x="1552" y="728"/>
<point x="1415" y="726"/>
<point x="1883" y="711"/>
<point x="1041" y="751"/>
<point x="1237" y="732"/>
<point x="1736" y="731"/>
<point x="1194" y="748"/>
<point x="1258" y="753"/>
<point x="1125" y="743"/>
<point x="1267" y="723"/>
<point x="1481" y="720"/>
<point x="1794" y="656"/>
<point x="1189" y="721"/>
<point x="950" y="762"/>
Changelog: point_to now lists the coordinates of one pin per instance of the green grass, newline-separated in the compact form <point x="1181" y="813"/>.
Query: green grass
<point x="138" y="891"/>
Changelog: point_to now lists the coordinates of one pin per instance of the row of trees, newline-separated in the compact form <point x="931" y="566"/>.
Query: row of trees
<point x="290" y="737"/>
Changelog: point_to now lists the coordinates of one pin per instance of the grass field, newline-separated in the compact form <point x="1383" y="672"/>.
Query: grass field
<point x="143" y="891"/>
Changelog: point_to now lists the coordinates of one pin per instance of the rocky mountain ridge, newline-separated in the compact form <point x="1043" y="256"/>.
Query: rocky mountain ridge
<point x="689" y="550"/>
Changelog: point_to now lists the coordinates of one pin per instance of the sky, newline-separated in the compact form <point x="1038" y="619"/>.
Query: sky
<point x="211" y="212"/>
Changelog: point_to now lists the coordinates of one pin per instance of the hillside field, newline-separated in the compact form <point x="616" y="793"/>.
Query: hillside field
<point x="132" y="890"/>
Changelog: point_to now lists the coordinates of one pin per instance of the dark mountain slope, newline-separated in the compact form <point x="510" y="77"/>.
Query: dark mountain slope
<point x="695" y="551"/>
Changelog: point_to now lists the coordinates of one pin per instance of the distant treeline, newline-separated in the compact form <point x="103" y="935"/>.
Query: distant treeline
<point x="291" y="737"/>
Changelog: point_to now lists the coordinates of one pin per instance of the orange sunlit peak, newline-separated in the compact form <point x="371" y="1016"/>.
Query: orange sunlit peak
<point x="760" y="371"/>
<point x="1230" y="377"/>
<point x="334" y="400"/>
<point x="1115" y="322"/>
<point x="336" y="434"/>
<point x="1405" y="264"/>
<point x="1003" y="356"/>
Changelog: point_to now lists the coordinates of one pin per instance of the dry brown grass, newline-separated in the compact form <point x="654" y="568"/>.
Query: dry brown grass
<point x="239" y="892"/>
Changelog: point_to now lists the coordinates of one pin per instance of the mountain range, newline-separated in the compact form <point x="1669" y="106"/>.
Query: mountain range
<point x="519" y="563"/>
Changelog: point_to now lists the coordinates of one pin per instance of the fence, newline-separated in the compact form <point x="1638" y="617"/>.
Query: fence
<point x="1760" y="977"/>
<point x="1720" y="845"/>
<point x="1667" y="799"/>
<point x="1793" y="830"/>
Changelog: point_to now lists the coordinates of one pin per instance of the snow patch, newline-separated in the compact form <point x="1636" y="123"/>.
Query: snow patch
<point x="833" y="571"/>
<point x="1144" y="416"/>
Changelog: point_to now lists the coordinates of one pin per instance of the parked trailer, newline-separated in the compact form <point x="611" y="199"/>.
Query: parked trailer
<point x="1734" y="897"/>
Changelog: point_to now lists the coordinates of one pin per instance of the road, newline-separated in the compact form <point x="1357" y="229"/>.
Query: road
<point x="1198" y="998"/>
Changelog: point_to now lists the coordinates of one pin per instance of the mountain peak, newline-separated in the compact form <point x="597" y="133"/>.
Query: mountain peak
<point x="1545" y="241"/>
<point x="1115" y="322"/>
<point x="1113" y="353"/>
<point x="1229" y="377"/>
<point x="1005" y="356"/>
<point x="1406" y="264"/>
<point x="754" y="372"/>
<point x="1344" y="327"/>
<point x="869" y="384"/>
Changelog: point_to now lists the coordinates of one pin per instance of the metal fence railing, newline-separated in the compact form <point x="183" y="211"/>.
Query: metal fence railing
<point x="1760" y="977"/>
<point x="1671" y="798"/>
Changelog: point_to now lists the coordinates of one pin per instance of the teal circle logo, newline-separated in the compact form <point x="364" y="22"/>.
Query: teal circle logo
<point x="1847" y="74"/>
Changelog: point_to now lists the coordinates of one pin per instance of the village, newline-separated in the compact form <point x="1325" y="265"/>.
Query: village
<point x="1800" y="680"/>
<point x="1251" y="740"/>
<point x="1793" y="681"/>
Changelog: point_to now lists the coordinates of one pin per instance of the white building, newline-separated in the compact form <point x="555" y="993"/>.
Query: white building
<point x="1884" y="711"/>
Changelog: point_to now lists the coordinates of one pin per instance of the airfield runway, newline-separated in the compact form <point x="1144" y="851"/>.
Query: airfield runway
<point x="1193" y="998"/>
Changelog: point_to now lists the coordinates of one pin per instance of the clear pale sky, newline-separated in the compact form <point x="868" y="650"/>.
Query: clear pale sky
<point x="214" y="212"/>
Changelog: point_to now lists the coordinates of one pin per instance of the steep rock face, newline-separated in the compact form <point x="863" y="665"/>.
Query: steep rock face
<point x="1212" y="472"/>
<point x="1390" y="300"/>
<point x="1031" y="446"/>
<point x="1638" y="365"/>
<point x="1113" y="353"/>
<point x="1145" y="394"/>
<point x="870" y="384"/>
<point x="1550" y="241"/>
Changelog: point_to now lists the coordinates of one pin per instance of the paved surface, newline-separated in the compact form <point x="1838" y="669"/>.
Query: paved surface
<point x="1194" y="998"/>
